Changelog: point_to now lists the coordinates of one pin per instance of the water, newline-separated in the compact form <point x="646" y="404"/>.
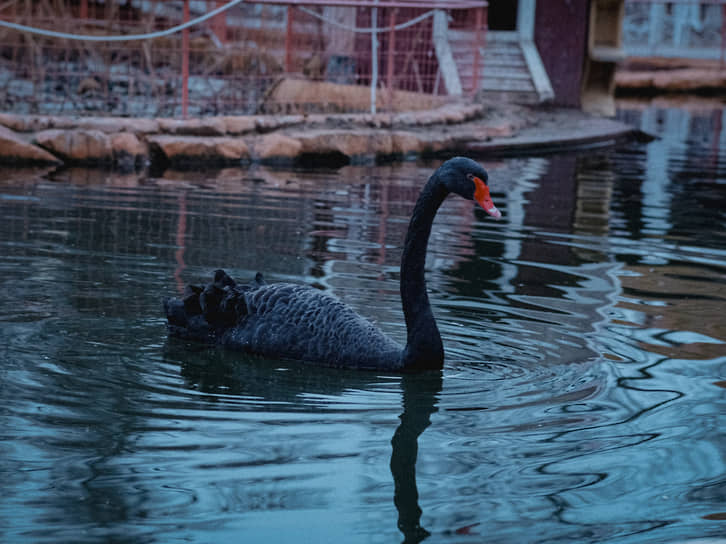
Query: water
<point x="583" y="397"/>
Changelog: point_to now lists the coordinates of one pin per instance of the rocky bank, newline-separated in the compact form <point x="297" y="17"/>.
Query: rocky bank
<point x="128" y="143"/>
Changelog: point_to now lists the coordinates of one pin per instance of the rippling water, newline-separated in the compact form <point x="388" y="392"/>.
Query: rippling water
<point x="583" y="397"/>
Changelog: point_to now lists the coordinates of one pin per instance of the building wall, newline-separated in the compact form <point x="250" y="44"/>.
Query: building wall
<point x="560" y="34"/>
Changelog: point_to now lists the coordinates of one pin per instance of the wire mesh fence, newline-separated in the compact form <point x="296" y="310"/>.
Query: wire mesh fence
<point x="255" y="57"/>
<point x="677" y="29"/>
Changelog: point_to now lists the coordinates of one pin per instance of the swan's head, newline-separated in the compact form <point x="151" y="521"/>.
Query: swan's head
<point x="468" y="179"/>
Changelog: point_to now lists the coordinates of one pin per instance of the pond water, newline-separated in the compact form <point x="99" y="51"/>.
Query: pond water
<point x="583" y="397"/>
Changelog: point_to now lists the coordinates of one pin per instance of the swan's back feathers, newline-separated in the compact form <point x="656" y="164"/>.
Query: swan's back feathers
<point x="281" y="320"/>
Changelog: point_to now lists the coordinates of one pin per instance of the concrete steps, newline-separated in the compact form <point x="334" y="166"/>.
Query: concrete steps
<point x="502" y="65"/>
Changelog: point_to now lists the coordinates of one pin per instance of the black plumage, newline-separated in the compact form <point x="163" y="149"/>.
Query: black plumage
<point x="298" y="322"/>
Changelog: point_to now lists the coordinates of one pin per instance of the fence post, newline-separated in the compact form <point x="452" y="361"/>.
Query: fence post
<point x="374" y="56"/>
<point x="218" y="23"/>
<point x="84" y="9"/>
<point x="185" y="63"/>
<point x="288" y="41"/>
<point x="390" y="58"/>
<point x="479" y="32"/>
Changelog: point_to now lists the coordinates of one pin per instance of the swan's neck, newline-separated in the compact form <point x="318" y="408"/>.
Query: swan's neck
<point x="424" y="348"/>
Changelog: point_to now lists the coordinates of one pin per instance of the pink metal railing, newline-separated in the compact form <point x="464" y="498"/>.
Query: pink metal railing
<point x="225" y="65"/>
<point x="681" y="49"/>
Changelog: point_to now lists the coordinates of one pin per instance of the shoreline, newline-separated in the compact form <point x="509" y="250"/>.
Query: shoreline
<point x="129" y="144"/>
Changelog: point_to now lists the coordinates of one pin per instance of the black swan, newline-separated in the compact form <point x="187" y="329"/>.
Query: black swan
<point x="301" y="323"/>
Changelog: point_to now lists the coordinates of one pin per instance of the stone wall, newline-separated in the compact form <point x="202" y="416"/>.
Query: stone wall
<point x="130" y="143"/>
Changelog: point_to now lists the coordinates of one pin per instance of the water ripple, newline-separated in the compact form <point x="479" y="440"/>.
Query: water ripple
<point x="581" y="398"/>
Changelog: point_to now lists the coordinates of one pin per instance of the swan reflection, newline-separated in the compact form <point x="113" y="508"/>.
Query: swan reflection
<point x="256" y="381"/>
<point x="420" y="398"/>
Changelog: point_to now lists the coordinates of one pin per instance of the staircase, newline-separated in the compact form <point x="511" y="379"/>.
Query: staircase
<point x="503" y="68"/>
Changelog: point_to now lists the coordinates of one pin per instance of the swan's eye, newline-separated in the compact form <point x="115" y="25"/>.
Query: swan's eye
<point x="470" y="177"/>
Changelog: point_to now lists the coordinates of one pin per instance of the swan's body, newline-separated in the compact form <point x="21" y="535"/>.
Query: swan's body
<point x="301" y="323"/>
<point x="284" y="320"/>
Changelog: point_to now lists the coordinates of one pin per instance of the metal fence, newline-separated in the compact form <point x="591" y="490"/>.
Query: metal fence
<point x="257" y="57"/>
<point x="693" y="29"/>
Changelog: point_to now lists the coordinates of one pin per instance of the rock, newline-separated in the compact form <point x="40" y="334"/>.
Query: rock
<point x="434" y="117"/>
<point x="502" y="129"/>
<point x="483" y="133"/>
<point x="186" y="150"/>
<point x="14" y="122"/>
<point x="453" y="115"/>
<point x="126" y="142"/>
<point x="381" y="120"/>
<point x="634" y="80"/>
<point x="316" y="119"/>
<point x="474" y="111"/>
<point x="34" y="123"/>
<point x="239" y="124"/>
<point x="275" y="147"/>
<point x="437" y="142"/>
<point x="128" y="150"/>
<point x="231" y="149"/>
<point x="677" y="80"/>
<point x="13" y="149"/>
<point x="406" y="143"/>
<point x="405" y="119"/>
<point x="77" y="146"/>
<point x="56" y="121"/>
<point x="268" y="123"/>
<point x="689" y="79"/>
<point x="118" y="124"/>
<point x="349" y="143"/>
<point x="207" y="126"/>
<point x="338" y="98"/>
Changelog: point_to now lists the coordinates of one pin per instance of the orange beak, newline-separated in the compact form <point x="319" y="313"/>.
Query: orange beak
<point x="481" y="195"/>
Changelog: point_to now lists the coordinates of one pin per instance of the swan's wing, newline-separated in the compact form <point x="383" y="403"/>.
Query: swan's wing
<point x="282" y="320"/>
<point x="303" y="323"/>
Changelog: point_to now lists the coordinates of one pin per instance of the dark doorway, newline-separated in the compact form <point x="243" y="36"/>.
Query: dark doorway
<point x="502" y="14"/>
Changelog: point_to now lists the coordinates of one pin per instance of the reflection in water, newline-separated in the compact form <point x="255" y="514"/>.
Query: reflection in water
<point x="582" y="397"/>
<point x="419" y="402"/>
<point x="219" y="373"/>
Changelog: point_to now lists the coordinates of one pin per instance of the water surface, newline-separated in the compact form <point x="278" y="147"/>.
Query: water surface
<point x="583" y="397"/>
